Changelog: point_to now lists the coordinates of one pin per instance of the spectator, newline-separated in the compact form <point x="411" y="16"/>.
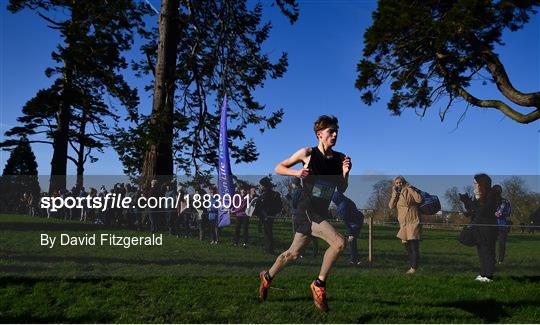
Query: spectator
<point x="84" y="210"/>
<point x="268" y="206"/>
<point x="406" y="199"/>
<point x="153" y="192"/>
<point x="483" y="208"/>
<point x="242" y="220"/>
<point x="503" y="213"/>
<point x="103" y="215"/>
<point x="91" y="213"/>
<point x="522" y="227"/>
<point x="353" y="220"/>
<point x="49" y="212"/>
<point x="131" y="212"/>
<point x="213" y="216"/>
<point x="531" y="227"/>
<point x="202" y="218"/>
<point x="170" y="194"/>
<point x="185" y="215"/>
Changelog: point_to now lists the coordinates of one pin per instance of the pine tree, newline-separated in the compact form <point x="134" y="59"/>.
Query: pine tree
<point x="94" y="34"/>
<point x="19" y="176"/>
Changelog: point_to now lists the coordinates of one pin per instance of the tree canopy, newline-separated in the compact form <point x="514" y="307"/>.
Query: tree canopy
<point x="430" y="50"/>
<point x="89" y="64"/>
<point x="219" y="52"/>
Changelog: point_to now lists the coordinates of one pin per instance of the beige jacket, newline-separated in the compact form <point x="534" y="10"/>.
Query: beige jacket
<point x="407" y="210"/>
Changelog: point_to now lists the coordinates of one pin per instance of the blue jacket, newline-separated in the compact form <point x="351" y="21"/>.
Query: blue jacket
<point x="505" y="210"/>
<point x="352" y="218"/>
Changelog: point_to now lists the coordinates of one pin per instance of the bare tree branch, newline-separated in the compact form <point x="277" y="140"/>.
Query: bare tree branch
<point x="501" y="106"/>
<point x="497" y="70"/>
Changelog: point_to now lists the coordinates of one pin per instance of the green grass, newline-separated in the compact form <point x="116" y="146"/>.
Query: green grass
<point x="186" y="280"/>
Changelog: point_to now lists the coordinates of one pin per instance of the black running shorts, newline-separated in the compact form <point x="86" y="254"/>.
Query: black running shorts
<point x="302" y="223"/>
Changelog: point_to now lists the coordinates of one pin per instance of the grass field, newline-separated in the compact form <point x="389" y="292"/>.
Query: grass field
<point x="186" y="280"/>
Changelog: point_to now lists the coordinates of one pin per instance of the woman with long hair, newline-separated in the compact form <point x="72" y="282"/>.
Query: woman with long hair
<point x="483" y="208"/>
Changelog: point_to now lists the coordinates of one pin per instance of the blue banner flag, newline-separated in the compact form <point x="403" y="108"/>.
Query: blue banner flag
<point x="225" y="183"/>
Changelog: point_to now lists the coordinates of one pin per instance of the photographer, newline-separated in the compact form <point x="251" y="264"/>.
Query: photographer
<point x="482" y="211"/>
<point x="406" y="199"/>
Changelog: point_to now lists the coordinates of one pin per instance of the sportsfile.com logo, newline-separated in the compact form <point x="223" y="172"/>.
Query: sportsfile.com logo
<point x="119" y="201"/>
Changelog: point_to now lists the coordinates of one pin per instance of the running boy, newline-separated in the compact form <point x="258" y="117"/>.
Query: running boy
<point x="324" y="170"/>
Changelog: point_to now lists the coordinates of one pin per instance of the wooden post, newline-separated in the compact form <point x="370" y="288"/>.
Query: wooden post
<point x="370" y="241"/>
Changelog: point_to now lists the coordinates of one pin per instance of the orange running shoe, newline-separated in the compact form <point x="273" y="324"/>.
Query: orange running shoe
<point x="319" y="297"/>
<point x="265" y="285"/>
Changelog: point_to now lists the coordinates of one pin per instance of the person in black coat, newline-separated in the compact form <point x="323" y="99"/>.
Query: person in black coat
<point x="269" y="205"/>
<point x="482" y="211"/>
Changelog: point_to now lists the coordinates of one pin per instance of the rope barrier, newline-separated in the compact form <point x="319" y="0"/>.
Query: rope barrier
<point x="459" y="225"/>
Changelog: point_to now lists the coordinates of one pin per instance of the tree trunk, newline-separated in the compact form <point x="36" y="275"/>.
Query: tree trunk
<point x="60" y="142"/>
<point x="61" y="135"/>
<point x="158" y="159"/>
<point x="80" y="156"/>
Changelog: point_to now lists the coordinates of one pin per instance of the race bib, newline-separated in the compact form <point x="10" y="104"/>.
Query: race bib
<point x="323" y="190"/>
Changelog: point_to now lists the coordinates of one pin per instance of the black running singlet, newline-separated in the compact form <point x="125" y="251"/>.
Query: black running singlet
<point x="325" y="175"/>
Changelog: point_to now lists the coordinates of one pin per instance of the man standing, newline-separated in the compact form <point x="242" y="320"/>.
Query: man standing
<point x="153" y="192"/>
<point x="269" y="205"/>
<point x="242" y="219"/>
<point x="324" y="170"/>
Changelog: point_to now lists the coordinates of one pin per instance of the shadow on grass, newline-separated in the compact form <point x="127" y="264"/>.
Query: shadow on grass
<point x="34" y="226"/>
<point x="526" y="279"/>
<point x="19" y="269"/>
<point x="102" y="317"/>
<point x="93" y="260"/>
<point x="489" y="311"/>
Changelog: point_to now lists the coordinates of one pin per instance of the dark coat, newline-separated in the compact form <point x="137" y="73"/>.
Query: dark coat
<point x="484" y="214"/>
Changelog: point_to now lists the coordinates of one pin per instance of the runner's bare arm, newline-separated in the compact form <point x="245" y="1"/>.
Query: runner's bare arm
<point x="347" y="165"/>
<point x="301" y="156"/>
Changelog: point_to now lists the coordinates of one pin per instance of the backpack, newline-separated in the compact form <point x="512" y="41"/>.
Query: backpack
<point x="430" y="204"/>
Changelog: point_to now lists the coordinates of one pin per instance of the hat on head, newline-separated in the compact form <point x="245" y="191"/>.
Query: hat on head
<point x="266" y="182"/>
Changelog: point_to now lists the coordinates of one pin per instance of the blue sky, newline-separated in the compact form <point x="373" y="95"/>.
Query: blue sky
<point x="324" y="47"/>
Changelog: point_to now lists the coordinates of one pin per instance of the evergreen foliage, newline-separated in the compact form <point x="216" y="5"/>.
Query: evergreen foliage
<point x="19" y="177"/>
<point x="429" y="50"/>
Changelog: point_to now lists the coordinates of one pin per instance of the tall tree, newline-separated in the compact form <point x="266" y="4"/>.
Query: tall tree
<point x="452" y="197"/>
<point x="158" y="158"/>
<point x="94" y="35"/>
<point x="19" y="176"/>
<point x="432" y="49"/>
<point x="87" y="129"/>
<point x="219" y="51"/>
<point x="522" y="200"/>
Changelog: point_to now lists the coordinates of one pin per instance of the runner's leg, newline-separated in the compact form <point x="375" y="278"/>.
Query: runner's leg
<point x="291" y="254"/>
<point x="329" y="234"/>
